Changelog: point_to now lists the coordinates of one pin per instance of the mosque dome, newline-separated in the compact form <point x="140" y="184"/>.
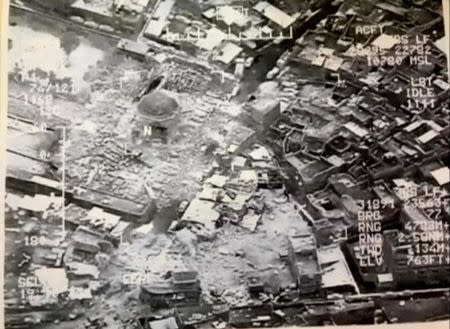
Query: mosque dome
<point x="158" y="106"/>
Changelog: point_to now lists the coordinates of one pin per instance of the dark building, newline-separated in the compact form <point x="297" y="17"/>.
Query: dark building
<point x="314" y="175"/>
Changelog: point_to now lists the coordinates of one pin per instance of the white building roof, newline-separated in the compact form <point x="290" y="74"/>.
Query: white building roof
<point x="418" y="123"/>
<point x="228" y="53"/>
<point x="248" y="176"/>
<point x="333" y="63"/>
<point x="79" y="293"/>
<point x="441" y="84"/>
<point x="97" y="216"/>
<point x="210" y="13"/>
<point x="326" y="51"/>
<point x="238" y="202"/>
<point x="275" y="15"/>
<point x="428" y="136"/>
<point x="136" y="5"/>
<point x="202" y="212"/>
<point x="413" y="125"/>
<point x="159" y="19"/>
<point x="355" y="129"/>
<point x="120" y="228"/>
<point x="41" y="300"/>
<point x="441" y="175"/>
<point x="238" y="161"/>
<point x="96" y="8"/>
<point x="402" y="182"/>
<point x="357" y="49"/>
<point x="168" y="323"/>
<point x="46" y="181"/>
<point x="441" y="44"/>
<point x="231" y="16"/>
<point x="250" y="221"/>
<point x="318" y="60"/>
<point x="217" y="180"/>
<point x="214" y="37"/>
<point x="209" y="193"/>
<point x="260" y="153"/>
<point x="143" y="229"/>
<point x="82" y="269"/>
<point x="335" y="270"/>
<point x="385" y="278"/>
<point x="36" y="203"/>
<point x="155" y="27"/>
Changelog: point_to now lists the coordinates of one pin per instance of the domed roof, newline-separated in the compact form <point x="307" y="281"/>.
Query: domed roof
<point x="157" y="105"/>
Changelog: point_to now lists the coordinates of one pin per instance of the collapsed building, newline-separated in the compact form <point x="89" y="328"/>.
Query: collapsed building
<point x="303" y="261"/>
<point x="182" y="289"/>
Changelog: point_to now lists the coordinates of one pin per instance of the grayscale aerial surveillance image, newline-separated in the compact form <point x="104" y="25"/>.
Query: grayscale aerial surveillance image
<point x="193" y="164"/>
